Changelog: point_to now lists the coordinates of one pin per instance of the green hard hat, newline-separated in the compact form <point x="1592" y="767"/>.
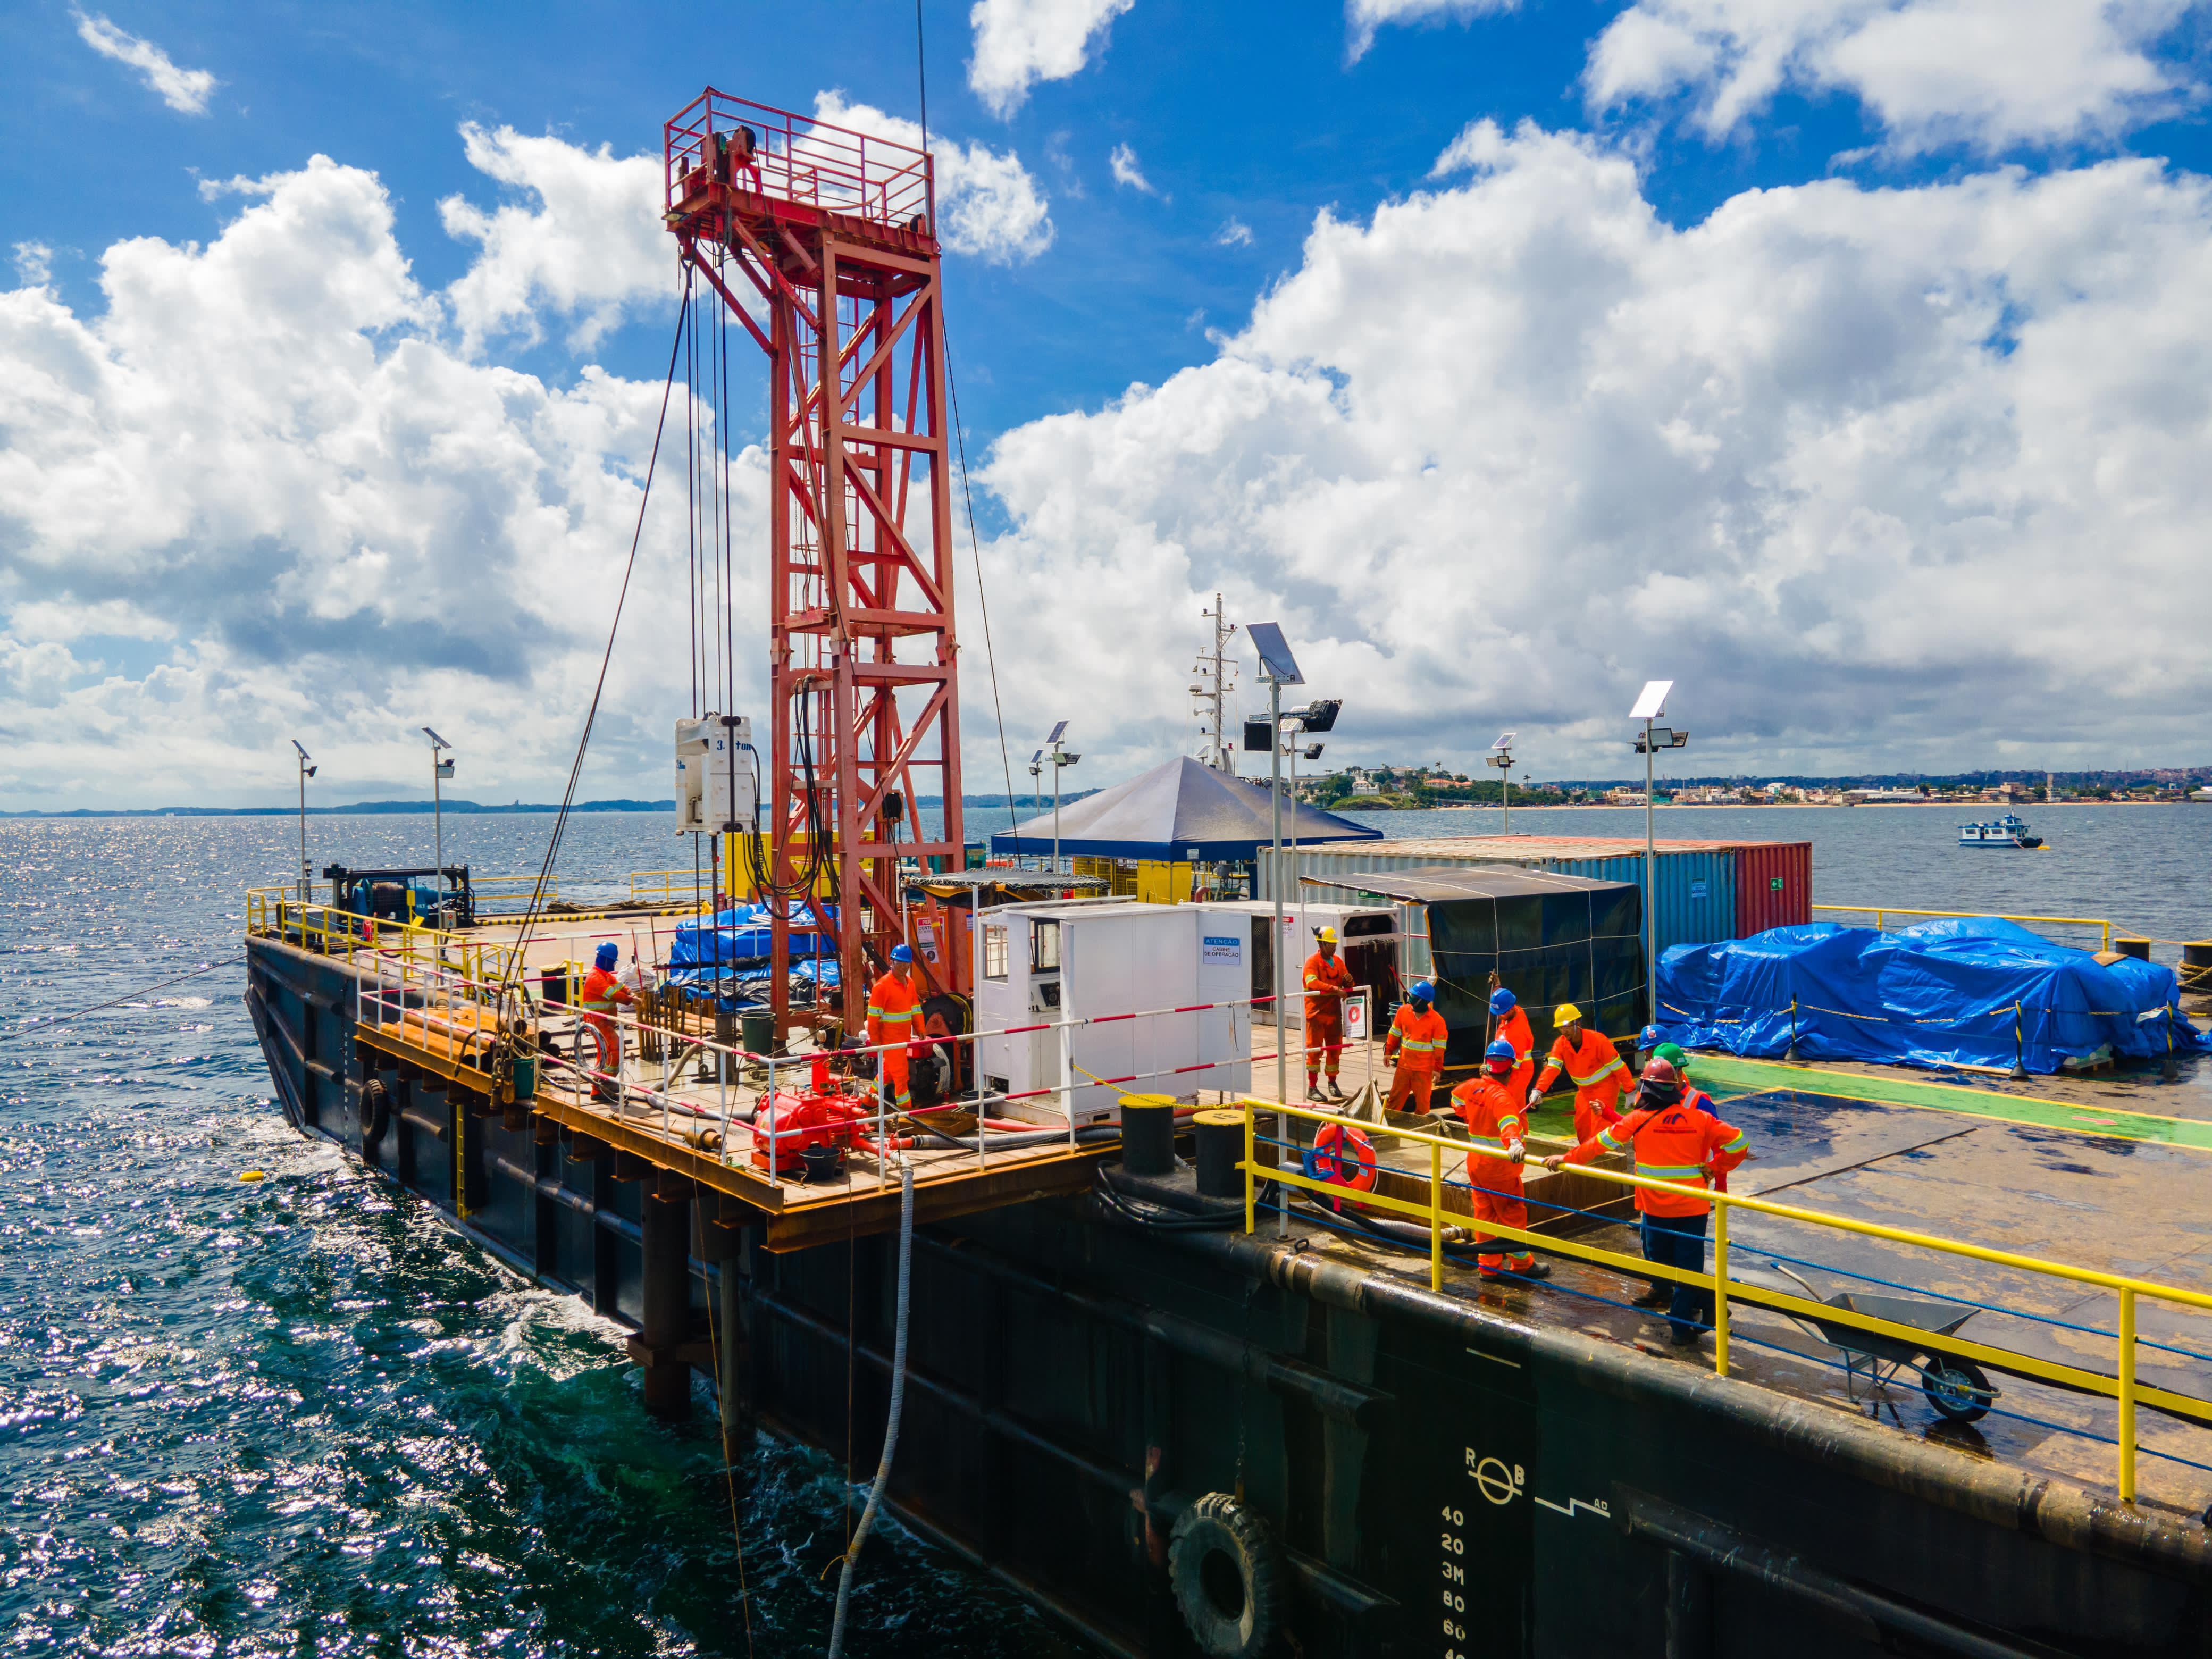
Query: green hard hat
<point x="1672" y="1055"/>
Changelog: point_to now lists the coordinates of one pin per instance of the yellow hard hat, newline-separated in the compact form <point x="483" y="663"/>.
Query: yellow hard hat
<point x="1327" y="936"/>
<point x="1565" y="1014"/>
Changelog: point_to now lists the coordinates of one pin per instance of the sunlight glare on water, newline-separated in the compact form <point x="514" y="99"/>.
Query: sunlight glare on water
<point x="299" y="1416"/>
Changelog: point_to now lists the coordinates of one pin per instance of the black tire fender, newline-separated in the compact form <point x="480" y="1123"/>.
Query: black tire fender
<point x="376" y="1114"/>
<point x="1227" y="1578"/>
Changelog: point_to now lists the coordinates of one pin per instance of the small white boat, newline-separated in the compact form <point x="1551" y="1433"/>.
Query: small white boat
<point x="2007" y="831"/>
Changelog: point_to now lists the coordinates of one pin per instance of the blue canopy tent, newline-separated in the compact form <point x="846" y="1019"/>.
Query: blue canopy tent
<point x="1182" y="809"/>
<point x="1974" y="991"/>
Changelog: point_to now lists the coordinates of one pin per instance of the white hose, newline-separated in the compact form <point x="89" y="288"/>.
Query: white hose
<point x="891" y="1423"/>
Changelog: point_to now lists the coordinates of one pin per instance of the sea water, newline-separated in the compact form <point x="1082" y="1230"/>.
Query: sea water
<point x="297" y="1416"/>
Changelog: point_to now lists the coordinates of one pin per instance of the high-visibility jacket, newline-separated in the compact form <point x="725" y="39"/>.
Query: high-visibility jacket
<point x="1418" y="1039"/>
<point x="1514" y="1028"/>
<point x="1330" y="977"/>
<point x="602" y="991"/>
<point x="1595" y="1069"/>
<point x="1697" y="1100"/>
<point x="1491" y="1111"/>
<point x="1673" y="1143"/>
<point x="894" y="1012"/>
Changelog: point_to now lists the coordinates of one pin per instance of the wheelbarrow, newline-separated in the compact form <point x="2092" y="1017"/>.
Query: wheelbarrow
<point x="1958" y="1388"/>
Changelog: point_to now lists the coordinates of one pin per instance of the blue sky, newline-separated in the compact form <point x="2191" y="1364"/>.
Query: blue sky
<point x="1239" y="128"/>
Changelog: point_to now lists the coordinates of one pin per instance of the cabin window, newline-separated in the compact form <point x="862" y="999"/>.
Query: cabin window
<point x="995" y="950"/>
<point x="1044" y="946"/>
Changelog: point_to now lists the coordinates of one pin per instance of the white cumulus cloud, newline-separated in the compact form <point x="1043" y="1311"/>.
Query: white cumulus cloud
<point x="987" y="204"/>
<point x="185" y="90"/>
<point x="1988" y="75"/>
<point x="1019" y="43"/>
<point x="583" y="238"/>
<point x="263" y="456"/>
<point x="1870" y="473"/>
<point x="1127" y="171"/>
<point x="1362" y="18"/>
<point x="1234" y="233"/>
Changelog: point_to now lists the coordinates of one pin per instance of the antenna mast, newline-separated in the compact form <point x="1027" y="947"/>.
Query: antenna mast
<point x="1214" y="675"/>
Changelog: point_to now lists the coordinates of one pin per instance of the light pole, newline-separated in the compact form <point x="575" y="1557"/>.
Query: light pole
<point x="1651" y="705"/>
<point x="1036" y="773"/>
<point x="440" y="769"/>
<point x="306" y="771"/>
<point x="1060" y="757"/>
<point x="1279" y="668"/>
<point x="1502" y="758"/>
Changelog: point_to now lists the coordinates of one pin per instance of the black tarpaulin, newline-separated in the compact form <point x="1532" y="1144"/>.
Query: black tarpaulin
<point x="1549" y="938"/>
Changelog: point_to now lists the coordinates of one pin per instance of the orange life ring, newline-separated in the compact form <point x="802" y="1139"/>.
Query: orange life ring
<point x="1343" y="1156"/>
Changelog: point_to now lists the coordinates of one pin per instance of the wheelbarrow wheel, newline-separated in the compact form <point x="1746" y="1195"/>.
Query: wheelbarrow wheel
<point x="1957" y="1388"/>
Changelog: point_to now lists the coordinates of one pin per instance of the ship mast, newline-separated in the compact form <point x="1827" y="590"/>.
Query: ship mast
<point x="1214" y="676"/>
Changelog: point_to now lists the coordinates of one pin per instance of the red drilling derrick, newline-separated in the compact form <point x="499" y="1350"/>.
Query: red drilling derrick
<point x="834" y="233"/>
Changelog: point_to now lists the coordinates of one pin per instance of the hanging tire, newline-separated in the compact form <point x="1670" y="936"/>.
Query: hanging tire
<point x="1958" y="1388"/>
<point x="375" y="1113"/>
<point x="1227" y="1579"/>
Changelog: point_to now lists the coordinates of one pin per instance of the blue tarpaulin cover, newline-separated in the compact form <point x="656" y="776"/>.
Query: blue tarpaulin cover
<point x="739" y="937"/>
<point x="1940" y="994"/>
<point x="1178" y="810"/>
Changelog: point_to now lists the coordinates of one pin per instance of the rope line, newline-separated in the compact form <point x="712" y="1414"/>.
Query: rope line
<point x="41" y="1022"/>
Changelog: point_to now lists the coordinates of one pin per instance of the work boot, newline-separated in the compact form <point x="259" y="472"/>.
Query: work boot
<point x="1535" y="1270"/>
<point x="1312" y="1093"/>
<point x="1657" y="1296"/>
<point x="1684" y="1336"/>
<point x="1335" y="1093"/>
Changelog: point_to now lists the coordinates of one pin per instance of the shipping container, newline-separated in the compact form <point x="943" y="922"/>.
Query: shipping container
<point x="1773" y="886"/>
<point x="1698" y="900"/>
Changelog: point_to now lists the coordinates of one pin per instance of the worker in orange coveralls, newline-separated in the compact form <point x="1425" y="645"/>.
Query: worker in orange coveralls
<point x="893" y="1009"/>
<point x="1513" y="1027"/>
<point x="602" y="993"/>
<point x="1491" y="1108"/>
<point x="1674" y="1142"/>
<point x="1592" y="1064"/>
<point x="1416" y="1041"/>
<point x="1328" y="981"/>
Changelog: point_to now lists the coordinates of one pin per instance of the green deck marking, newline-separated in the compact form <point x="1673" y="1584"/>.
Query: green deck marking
<point x="1756" y="1076"/>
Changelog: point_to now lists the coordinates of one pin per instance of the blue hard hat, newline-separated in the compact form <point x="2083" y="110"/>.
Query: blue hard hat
<point x="1500" y="1049"/>
<point x="1502" y="1002"/>
<point x="607" y="955"/>
<point x="1648" y="1037"/>
<point x="1424" y="991"/>
<point x="902" y="953"/>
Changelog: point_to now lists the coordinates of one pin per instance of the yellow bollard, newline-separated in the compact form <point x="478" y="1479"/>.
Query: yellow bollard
<point x="1251" y="1187"/>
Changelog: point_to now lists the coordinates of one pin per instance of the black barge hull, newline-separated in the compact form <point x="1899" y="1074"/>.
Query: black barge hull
<point x="1434" y="1478"/>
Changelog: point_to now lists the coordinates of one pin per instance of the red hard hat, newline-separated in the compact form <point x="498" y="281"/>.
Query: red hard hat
<point x="1656" y="1070"/>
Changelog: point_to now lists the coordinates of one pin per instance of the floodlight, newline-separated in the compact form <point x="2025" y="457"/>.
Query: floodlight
<point x="1276" y="661"/>
<point x="1320" y="714"/>
<point x="436" y="742"/>
<point x="1065" y="759"/>
<point x="445" y="769"/>
<point x="311" y="771"/>
<point x="1651" y="702"/>
<point x="1058" y="733"/>
<point x="1313" y="751"/>
<point x="1259" y="737"/>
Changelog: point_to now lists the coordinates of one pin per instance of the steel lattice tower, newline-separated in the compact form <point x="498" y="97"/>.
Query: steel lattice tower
<point x="835" y="233"/>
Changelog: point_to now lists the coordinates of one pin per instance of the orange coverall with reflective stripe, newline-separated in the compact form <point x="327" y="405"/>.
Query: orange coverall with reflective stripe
<point x="1325" y="1012"/>
<point x="1418" y="1040"/>
<point x="1598" y="1075"/>
<point x="1491" y="1111"/>
<point x="894" y="1017"/>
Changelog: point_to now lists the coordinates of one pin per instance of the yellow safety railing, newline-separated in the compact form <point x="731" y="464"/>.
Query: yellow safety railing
<point x="274" y="913"/>
<point x="1879" y="911"/>
<point x="2121" y="1386"/>
<point x="511" y="894"/>
<point x="664" y="886"/>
